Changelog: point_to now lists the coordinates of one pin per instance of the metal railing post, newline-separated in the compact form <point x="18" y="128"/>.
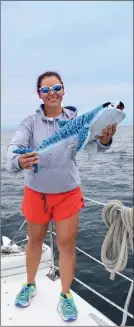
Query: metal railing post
<point x="52" y="273"/>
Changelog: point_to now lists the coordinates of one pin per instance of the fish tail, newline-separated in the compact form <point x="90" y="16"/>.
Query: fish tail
<point x="24" y="151"/>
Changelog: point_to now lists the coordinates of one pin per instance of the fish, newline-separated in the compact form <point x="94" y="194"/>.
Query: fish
<point x="84" y="128"/>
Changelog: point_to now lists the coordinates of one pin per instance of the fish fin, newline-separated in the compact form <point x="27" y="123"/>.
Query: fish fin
<point x="62" y="123"/>
<point x="91" y="149"/>
<point x="36" y="168"/>
<point x="22" y="150"/>
<point x="83" y="137"/>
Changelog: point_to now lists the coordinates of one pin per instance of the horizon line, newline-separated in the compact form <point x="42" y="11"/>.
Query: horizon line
<point x="13" y="129"/>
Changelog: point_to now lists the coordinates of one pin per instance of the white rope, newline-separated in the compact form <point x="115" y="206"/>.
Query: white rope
<point x="93" y="258"/>
<point x="94" y="201"/>
<point x="101" y="263"/>
<point x="114" y="252"/>
<point x="18" y="231"/>
<point x="125" y="314"/>
<point x="103" y="297"/>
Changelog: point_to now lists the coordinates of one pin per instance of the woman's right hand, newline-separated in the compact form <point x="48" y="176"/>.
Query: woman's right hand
<point x="26" y="161"/>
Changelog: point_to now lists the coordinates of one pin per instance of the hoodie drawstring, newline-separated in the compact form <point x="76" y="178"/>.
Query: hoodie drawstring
<point x="55" y="127"/>
<point x="48" y="127"/>
<point x="48" y="130"/>
<point x="44" y="198"/>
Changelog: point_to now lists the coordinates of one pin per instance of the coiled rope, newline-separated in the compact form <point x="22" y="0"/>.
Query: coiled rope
<point x="120" y="221"/>
<point x="114" y="252"/>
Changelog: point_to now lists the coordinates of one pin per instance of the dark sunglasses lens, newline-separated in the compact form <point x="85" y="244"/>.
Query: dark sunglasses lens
<point x="57" y="88"/>
<point x="45" y="90"/>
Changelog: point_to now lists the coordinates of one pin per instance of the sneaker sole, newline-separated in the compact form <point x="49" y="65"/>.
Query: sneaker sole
<point x="69" y="319"/>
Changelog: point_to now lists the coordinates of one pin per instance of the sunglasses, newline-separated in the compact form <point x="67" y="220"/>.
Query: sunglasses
<point x="47" y="89"/>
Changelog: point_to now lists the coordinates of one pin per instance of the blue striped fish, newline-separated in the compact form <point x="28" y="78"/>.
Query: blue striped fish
<point x="84" y="128"/>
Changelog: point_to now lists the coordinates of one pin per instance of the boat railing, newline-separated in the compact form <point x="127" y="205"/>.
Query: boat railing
<point x="53" y="276"/>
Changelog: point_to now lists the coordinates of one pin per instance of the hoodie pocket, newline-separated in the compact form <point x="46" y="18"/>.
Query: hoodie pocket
<point x="60" y="156"/>
<point x="45" y="160"/>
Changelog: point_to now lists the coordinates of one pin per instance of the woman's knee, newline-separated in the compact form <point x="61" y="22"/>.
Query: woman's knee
<point x="36" y="233"/>
<point x="66" y="244"/>
<point x="36" y="239"/>
<point x="66" y="232"/>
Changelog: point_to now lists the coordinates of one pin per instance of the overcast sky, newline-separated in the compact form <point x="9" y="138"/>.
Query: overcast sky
<point x="88" y="42"/>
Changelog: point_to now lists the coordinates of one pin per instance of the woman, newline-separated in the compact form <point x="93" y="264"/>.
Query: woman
<point x="52" y="193"/>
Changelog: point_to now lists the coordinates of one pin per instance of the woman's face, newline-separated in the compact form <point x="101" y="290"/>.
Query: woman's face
<point x="51" y="97"/>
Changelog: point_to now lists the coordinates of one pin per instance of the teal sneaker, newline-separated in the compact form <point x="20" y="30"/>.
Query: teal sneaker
<point x="67" y="308"/>
<point x="23" y="298"/>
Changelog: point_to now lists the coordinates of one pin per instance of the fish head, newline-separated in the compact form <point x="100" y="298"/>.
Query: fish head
<point x="114" y="104"/>
<point x="118" y="105"/>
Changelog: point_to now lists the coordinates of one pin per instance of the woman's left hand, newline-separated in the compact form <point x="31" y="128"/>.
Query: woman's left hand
<point x="107" y="134"/>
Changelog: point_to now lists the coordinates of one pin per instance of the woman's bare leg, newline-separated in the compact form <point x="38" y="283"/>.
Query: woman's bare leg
<point x="66" y="231"/>
<point x="36" y="236"/>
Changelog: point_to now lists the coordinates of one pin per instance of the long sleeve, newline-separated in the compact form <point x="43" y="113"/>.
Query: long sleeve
<point x="20" y="139"/>
<point x="103" y="147"/>
<point x="95" y="147"/>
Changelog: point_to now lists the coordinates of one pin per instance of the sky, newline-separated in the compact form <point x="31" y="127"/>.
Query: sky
<point x="90" y="43"/>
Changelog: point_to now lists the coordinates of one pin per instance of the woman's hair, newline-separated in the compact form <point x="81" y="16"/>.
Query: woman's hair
<point x="47" y="74"/>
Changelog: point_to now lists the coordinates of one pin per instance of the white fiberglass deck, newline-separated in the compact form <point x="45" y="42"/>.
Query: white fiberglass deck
<point x="43" y="308"/>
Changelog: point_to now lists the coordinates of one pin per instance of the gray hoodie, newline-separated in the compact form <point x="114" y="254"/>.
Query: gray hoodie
<point x="58" y="170"/>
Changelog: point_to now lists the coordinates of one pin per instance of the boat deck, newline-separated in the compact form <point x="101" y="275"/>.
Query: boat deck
<point x="43" y="308"/>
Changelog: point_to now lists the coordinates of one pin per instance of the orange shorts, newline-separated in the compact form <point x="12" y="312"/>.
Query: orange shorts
<point x="39" y="208"/>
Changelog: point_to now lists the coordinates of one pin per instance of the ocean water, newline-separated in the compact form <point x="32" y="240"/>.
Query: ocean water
<point x="109" y="176"/>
